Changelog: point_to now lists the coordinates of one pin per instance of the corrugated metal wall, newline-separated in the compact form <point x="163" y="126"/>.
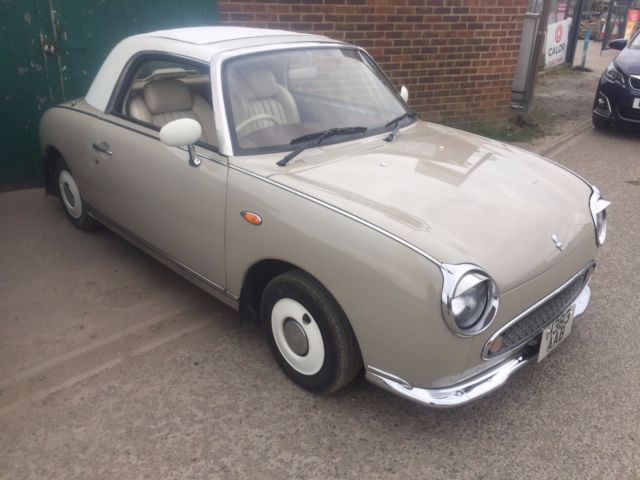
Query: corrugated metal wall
<point x="78" y="36"/>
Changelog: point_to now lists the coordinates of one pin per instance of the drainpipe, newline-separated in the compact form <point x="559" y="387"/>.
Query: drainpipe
<point x="532" y="74"/>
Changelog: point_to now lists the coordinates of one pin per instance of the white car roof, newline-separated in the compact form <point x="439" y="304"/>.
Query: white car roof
<point x="198" y="43"/>
<point x="208" y="35"/>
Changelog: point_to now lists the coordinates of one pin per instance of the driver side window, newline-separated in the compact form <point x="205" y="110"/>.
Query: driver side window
<point x="163" y="90"/>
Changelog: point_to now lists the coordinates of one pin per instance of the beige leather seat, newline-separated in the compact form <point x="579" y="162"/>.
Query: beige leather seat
<point x="255" y="93"/>
<point x="163" y="101"/>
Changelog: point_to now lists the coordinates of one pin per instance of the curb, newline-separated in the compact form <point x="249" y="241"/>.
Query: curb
<point x="546" y="150"/>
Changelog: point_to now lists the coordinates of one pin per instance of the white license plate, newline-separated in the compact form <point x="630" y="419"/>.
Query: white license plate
<point x="555" y="333"/>
<point x="636" y="102"/>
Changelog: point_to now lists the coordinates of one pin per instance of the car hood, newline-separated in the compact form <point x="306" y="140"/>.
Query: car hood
<point x="459" y="197"/>
<point x="628" y="60"/>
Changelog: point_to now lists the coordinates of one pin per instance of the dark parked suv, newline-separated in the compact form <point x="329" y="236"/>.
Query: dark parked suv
<point x="618" y="96"/>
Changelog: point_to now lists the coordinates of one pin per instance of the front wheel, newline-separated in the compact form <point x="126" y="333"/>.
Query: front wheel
<point x="71" y="199"/>
<point x="308" y="333"/>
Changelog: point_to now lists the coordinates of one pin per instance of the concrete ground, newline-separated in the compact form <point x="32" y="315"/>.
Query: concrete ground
<point x="564" y="97"/>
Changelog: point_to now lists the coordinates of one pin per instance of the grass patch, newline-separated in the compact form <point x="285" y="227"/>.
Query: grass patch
<point x="560" y="70"/>
<point x="515" y="131"/>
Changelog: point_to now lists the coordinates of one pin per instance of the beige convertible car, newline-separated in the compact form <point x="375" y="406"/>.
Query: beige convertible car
<point x="286" y="175"/>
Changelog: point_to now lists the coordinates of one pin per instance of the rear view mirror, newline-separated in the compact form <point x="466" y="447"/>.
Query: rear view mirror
<point x="184" y="132"/>
<point x="618" y="44"/>
<point x="404" y="93"/>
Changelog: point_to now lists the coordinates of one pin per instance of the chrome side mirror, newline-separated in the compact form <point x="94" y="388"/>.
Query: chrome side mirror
<point x="184" y="132"/>
<point x="404" y="93"/>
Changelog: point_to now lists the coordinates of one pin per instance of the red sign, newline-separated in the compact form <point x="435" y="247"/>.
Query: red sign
<point x="556" y="43"/>
<point x="562" y="10"/>
<point x="558" y="34"/>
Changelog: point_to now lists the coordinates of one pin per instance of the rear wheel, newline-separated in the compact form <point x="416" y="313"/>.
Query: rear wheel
<point x="308" y="333"/>
<point x="71" y="199"/>
<point x="600" y="122"/>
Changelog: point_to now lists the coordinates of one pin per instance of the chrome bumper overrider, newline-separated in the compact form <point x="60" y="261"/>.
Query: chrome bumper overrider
<point x="472" y="388"/>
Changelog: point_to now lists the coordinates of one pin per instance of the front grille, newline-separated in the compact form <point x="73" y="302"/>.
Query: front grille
<point x="532" y="324"/>
<point x="630" y="113"/>
<point x="635" y="82"/>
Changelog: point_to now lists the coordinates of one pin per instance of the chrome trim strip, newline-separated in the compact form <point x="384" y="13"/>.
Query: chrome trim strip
<point x="528" y="311"/>
<point x="188" y="273"/>
<point x="341" y="212"/>
<point x="468" y="390"/>
<point x="637" y="77"/>
<point x="566" y="169"/>
<point x="557" y="164"/>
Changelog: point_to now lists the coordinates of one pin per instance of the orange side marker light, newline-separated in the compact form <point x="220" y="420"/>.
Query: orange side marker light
<point x="252" y="218"/>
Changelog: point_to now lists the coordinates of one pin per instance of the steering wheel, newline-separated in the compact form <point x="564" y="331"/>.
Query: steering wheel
<point x="261" y="116"/>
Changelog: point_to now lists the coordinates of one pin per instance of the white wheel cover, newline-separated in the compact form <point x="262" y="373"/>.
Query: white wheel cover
<point x="66" y="181"/>
<point x="312" y="362"/>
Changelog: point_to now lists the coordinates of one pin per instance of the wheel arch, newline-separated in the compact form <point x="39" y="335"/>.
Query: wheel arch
<point x="256" y="279"/>
<point x="254" y="282"/>
<point x="50" y="158"/>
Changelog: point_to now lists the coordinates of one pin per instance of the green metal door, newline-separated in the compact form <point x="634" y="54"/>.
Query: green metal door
<point x="25" y="89"/>
<point x="51" y="50"/>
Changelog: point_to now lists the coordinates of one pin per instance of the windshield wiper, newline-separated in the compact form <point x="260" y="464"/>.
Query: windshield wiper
<point x="396" y="121"/>
<point x="313" y="139"/>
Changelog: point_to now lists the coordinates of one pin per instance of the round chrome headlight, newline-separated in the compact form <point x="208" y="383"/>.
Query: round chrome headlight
<point x="598" y="207"/>
<point x="469" y="299"/>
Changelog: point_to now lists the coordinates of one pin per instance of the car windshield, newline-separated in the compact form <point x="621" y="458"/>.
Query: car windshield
<point x="635" y="42"/>
<point x="279" y="99"/>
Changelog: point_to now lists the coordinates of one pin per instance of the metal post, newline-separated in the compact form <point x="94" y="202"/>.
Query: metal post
<point x="607" y="30"/>
<point x="587" y="37"/>
<point x="574" y="33"/>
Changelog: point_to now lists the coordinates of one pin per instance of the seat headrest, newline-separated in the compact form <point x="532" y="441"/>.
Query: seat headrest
<point x="262" y="84"/>
<point x="163" y="96"/>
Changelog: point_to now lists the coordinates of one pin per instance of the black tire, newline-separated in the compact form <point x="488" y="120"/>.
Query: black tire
<point x="71" y="199"/>
<point x="599" y="122"/>
<point x="342" y="360"/>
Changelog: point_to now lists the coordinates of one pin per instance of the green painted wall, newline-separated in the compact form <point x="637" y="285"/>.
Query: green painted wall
<point x="83" y="32"/>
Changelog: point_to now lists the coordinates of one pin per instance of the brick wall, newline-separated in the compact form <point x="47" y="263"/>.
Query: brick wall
<point x="457" y="57"/>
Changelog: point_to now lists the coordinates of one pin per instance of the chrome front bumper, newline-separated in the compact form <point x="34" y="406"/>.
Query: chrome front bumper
<point x="472" y="388"/>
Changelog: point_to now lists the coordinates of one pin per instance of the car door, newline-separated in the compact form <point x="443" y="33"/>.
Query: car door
<point x="151" y="192"/>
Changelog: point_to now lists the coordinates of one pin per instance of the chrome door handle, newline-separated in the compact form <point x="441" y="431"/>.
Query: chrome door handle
<point x="102" y="147"/>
